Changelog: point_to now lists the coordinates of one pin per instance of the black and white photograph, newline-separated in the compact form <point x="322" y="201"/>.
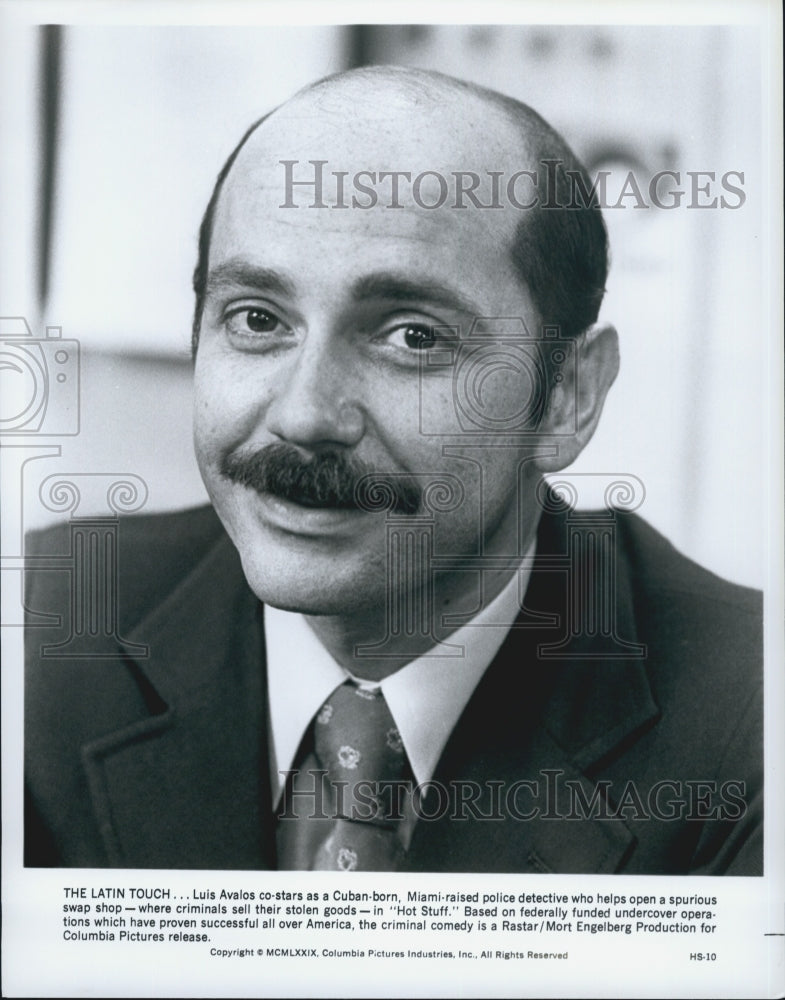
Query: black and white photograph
<point x="391" y="446"/>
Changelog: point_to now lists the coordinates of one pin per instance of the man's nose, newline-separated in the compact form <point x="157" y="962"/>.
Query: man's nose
<point x="315" y="400"/>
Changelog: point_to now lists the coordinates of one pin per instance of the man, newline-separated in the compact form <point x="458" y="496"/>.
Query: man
<point x="409" y="656"/>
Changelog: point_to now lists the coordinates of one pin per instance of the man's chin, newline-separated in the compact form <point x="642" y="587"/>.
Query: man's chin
<point x="308" y="588"/>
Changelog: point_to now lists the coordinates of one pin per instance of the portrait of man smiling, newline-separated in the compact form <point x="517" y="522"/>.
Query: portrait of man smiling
<point x="387" y="644"/>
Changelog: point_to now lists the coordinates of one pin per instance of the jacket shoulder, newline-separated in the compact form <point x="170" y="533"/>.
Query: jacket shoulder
<point x="663" y="577"/>
<point x="703" y="638"/>
<point x="154" y="553"/>
<point x="657" y="568"/>
<point x="689" y="617"/>
<point x="171" y="529"/>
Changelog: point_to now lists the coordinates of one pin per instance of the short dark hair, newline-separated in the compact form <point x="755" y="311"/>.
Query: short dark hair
<point x="561" y="252"/>
<point x="206" y="233"/>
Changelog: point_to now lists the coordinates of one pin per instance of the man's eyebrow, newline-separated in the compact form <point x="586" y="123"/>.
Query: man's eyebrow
<point x="398" y="288"/>
<point x="241" y="273"/>
<point x="389" y="286"/>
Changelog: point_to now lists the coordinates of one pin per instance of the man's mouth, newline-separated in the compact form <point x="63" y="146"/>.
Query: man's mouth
<point x="315" y="503"/>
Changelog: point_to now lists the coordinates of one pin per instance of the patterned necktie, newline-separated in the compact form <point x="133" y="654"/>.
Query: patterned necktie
<point x="356" y="743"/>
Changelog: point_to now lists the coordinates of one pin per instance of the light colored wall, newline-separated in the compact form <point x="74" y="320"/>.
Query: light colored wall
<point x="149" y="116"/>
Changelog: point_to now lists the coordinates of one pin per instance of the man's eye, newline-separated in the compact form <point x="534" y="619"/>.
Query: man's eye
<point x="253" y="321"/>
<point x="415" y="336"/>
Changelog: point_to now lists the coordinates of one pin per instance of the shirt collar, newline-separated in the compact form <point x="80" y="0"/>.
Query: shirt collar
<point x="426" y="697"/>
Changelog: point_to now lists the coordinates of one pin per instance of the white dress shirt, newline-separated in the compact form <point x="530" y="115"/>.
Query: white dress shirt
<point x="426" y="696"/>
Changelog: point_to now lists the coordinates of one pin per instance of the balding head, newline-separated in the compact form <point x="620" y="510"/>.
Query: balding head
<point x="558" y="247"/>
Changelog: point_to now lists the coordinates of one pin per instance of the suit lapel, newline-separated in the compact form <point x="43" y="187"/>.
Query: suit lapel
<point x="182" y="788"/>
<point x="531" y="743"/>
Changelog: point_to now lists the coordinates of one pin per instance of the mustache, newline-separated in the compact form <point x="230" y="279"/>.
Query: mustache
<point x="325" y="479"/>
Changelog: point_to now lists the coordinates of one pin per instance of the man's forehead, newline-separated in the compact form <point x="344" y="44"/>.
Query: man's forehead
<point x="384" y="126"/>
<point x="414" y="149"/>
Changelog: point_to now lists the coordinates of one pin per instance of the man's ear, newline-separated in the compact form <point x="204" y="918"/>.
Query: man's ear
<point x="576" y="402"/>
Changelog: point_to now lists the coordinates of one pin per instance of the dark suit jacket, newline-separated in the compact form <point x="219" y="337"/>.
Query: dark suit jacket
<point x="160" y="761"/>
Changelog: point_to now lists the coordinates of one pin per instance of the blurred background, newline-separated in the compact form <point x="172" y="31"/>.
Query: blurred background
<point x="112" y="137"/>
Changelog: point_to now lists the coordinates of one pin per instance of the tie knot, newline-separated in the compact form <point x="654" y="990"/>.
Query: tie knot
<point x="355" y="736"/>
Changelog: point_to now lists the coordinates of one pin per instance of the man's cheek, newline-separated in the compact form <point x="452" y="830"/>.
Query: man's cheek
<point x="224" y="417"/>
<point x="436" y="410"/>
